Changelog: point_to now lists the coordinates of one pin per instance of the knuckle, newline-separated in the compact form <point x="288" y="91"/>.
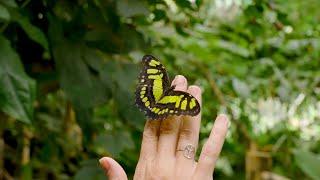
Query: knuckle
<point x="152" y="126"/>
<point x="210" y="152"/>
<point x="149" y="135"/>
<point x="207" y="162"/>
<point x="186" y="133"/>
<point x="167" y="128"/>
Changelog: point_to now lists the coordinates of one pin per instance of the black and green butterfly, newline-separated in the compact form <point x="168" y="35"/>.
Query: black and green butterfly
<point x="157" y="98"/>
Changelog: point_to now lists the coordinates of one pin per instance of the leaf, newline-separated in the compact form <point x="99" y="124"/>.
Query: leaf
<point x="114" y="142"/>
<point x="90" y="170"/>
<point x="80" y="81"/>
<point x="308" y="162"/>
<point x="233" y="48"/>
<point x="32" y="31"/>
<point x="124" y="40"/>
<point x="123" y="78"/>
<point x="130" y="8"/>
<point x="10" y="3"/>
<point x="4" y="13"/>
<point x="241" y="88"/>
<point x="253" y="11"/>
<point x="184" y="3"/>
<point x="159" y="14"/>
<point x="17" y="90"/>
<point x="126" y="104"/>
<point x="84" y="117"/>
<point x="78" y="68"/>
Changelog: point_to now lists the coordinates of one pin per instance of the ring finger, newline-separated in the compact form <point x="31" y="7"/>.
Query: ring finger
<point x="189" y="135"/>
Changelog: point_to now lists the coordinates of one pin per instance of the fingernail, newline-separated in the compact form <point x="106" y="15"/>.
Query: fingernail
<point x="224" y="118"/>
<point x="101" y="160"/>
<point x="104" y="162"/>
<point x="195" y="89"/>
<point x="179" y="79"/>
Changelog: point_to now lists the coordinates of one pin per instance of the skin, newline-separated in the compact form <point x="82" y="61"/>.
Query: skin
<point x="159" y="158"/>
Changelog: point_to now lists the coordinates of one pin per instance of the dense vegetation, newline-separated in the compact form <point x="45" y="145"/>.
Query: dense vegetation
<point x="68" y="71"/>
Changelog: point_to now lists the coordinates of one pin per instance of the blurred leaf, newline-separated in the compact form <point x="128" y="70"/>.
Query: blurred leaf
<point x="80" y="75"/>
<point x="65" y="10"/>
<point x="126" y="104"/>
<point x="129" y="8"/>
<point x="224" y="165"/>
<point x="10" y="3"/>
<point x="241" y="88"/>
<point x="17" y="90"/>
<point x="124" y="40"/>
<point x="114" y="142"/>
<point x="159" y="14"/>
<point x="198" y="2"/>
<point x="233" y="48"/>
<point x="308" y="162"/>
<point x="90" y="170"/>
<point x="79" y="78"/>
<point x="4" y="13"/>
<point x="124" y="76"/>
<point x="254" y="11"/>
<point x="32" y="31"/>
<point x="26" y="171"/>
<point x="183" y="3"/>
<point x="84" y="118"/>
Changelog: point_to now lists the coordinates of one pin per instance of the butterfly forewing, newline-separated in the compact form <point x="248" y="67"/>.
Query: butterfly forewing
<point x="155" y="97"/>
<point x="153" y="79"/>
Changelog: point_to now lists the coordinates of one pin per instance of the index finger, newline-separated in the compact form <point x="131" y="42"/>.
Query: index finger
<point x="150" y="139"/>
<point x="148" y="146"/>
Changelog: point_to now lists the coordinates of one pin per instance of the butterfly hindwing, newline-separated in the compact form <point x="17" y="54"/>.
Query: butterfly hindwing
<point x="156" y="97"/>
<point x="180" y="103"/>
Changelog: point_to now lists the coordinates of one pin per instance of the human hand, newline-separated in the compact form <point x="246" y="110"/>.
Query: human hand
<point x="162" y="153"/>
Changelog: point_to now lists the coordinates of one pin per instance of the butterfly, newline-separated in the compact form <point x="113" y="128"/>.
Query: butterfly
<point x="156" y="97"/>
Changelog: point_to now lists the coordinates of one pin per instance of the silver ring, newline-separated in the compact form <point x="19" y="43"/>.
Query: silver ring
<point x="188" y="151"/>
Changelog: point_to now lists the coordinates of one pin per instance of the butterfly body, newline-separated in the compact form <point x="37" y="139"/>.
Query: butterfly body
<point x="155" y="95"/>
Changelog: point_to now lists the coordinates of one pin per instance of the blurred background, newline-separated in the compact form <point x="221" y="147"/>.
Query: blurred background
<point x="68" y="71"/>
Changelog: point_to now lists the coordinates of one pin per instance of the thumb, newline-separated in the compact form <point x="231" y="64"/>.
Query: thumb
<point x="113" y="169"/>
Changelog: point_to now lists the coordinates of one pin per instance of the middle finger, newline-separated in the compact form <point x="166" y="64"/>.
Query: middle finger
<point x="169" y="127"/>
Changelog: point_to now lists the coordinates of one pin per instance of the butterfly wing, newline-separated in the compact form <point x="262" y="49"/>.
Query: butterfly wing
<point x="179" y="103"/>
<point x="155" y="97"/>
<point x="153" y="82"/>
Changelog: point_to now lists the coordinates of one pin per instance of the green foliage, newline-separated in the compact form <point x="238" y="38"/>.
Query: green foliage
<point x="90" y="170"/>
<point x="308" y="162"/>
<point x="18" y="89"/>
<point x="4" y="13"/>
<point x="68" y="71"/>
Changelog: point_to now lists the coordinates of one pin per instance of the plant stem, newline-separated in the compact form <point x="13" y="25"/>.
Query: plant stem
<point x="25" y="157"/>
